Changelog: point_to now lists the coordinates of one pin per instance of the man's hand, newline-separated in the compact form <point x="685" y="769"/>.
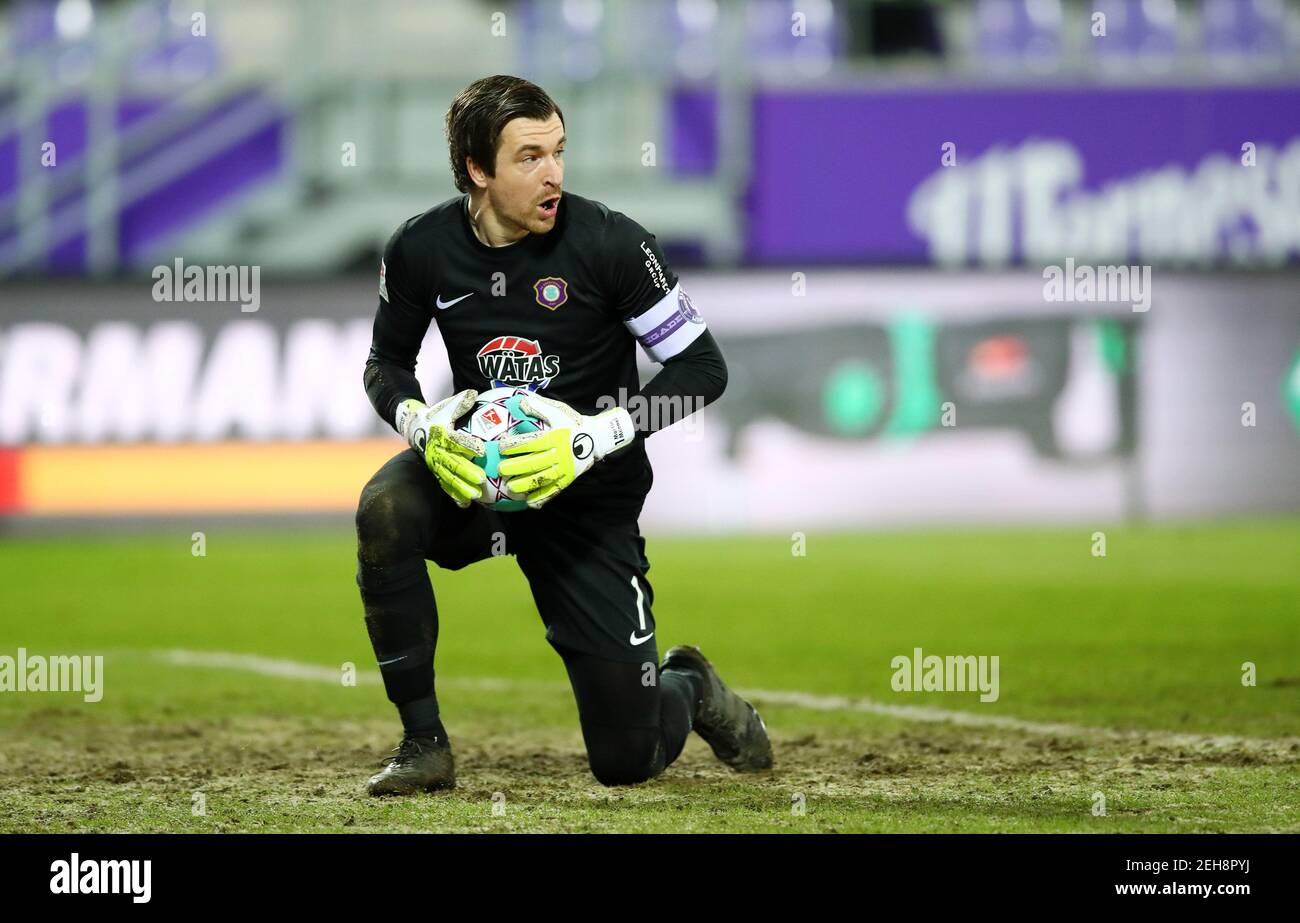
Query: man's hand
<point x="540" y="465"/>
<point x="431" y="432"/>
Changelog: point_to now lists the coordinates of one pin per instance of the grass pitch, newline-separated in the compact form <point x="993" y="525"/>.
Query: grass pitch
<point x="1120" y="677"/>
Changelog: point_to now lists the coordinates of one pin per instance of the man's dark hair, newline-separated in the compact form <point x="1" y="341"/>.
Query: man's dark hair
<point x="478" y="115"/>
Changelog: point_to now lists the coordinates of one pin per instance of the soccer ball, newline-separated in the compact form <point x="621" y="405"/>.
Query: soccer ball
<point x="497" y="414"/>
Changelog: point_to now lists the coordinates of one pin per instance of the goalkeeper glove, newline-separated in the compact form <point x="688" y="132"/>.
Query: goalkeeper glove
<point x="431" y="431"/>
<point x="540" y="465"/>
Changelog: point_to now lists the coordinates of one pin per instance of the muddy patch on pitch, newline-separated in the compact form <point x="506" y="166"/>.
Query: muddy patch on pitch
<point x="61" y="773"/>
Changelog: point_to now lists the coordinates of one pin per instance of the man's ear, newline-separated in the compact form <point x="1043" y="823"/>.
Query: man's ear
<point x="476" y="174"/>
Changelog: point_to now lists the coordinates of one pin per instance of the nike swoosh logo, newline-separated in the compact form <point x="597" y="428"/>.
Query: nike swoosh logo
<point x="444" y="305"/>
<point x="384" y="663"/>
<point x="640" y="616"/>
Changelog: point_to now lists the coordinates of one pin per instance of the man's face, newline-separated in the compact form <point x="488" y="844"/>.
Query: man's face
<point x="525" y="193"/>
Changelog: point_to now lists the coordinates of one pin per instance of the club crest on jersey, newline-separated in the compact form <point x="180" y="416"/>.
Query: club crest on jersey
<point x="514" y="362"/>
<point x="551" y="292"/>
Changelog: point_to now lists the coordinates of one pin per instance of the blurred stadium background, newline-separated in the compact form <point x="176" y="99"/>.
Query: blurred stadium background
<point x="861" y="198"/>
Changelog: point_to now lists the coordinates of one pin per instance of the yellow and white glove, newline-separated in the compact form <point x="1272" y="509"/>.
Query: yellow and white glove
<point x="431" y="431"/>
<point x="542" y="464"/>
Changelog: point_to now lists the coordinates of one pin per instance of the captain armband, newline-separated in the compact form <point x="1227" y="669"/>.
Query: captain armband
<point x="668" y="326"/>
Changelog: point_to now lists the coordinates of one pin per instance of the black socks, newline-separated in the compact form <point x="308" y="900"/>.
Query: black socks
<point x="420" y="718"/>
<point x="691" y="684"/>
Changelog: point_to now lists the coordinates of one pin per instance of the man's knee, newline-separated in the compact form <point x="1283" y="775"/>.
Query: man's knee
<point x="391" y="527"/>
<point x="386" y="525"/>
<point x="626" y="757"/>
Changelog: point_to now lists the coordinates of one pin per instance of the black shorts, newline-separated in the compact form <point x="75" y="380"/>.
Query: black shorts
<point x="585" y="562"/>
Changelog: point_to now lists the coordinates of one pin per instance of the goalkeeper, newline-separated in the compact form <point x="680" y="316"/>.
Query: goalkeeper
<point x="542" y="289"/>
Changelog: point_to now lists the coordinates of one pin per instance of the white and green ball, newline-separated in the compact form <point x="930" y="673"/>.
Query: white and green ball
<point x="497" y="414"/>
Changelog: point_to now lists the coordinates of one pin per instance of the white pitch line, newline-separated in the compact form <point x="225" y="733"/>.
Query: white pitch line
<point x="1006" y="722"/>
<point x="293" y="669"/>
<point x="264" y="666"/>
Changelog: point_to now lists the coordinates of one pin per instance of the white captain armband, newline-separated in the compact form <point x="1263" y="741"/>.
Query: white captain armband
<point x="668" y="326"/>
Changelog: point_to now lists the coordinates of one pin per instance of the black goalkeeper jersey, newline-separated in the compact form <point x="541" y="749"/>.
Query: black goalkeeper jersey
<point x="559" y="313"/>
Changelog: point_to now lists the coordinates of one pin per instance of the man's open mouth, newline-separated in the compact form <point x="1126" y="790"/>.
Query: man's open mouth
<point x="549" y="206"/>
